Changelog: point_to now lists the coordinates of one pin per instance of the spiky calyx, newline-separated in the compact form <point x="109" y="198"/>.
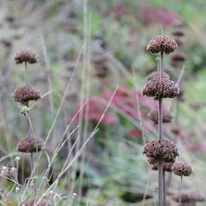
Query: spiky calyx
<point x="162" y="44"/>
<point x="26" y="55"/>
<point x="159" y="89"/>
<point x="30" y="144"/>
<point x="26" y="93"/>
<point x="161" y="150"/>
<point x="182" y="169"/>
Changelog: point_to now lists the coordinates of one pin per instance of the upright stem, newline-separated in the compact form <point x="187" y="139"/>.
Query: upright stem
<point x="160" y="183"/>
<point x="28" y="120"/>
<point x="164" y="189"/>
<point x="25" y="74"/>
<point x="160" y="163"/>
<point x="180" y="193"/>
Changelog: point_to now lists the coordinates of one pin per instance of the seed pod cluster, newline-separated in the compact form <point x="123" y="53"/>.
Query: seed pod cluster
<point x="159" y="89"/>
<point x="162" y="44"/>
<point x="182" y="169"/>
<point x="26" y="93"/>
<point x="161" y="150"/>
<point x="26" y="55"/>
<point x="30" y="144"/>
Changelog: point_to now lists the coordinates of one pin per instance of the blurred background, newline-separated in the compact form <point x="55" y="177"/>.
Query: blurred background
<point x="98" y="50"/>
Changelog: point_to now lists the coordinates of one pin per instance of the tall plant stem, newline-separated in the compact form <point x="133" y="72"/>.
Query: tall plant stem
<point x="164" y="189"/>
<point x="28" y="118"/>
<point x="160" y="163"/>
<point x="25" y="73"/>
<point x="180" y="193"/>
<point x="27" y="104"/>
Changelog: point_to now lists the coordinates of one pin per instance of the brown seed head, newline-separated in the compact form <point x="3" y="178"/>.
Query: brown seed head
<point x="175" y="129"/>
<point x="164" y="150"/>
<point x="165" y="88"/>
<point x="166" y="116"/>
<point x="178" y="32"/>
<point x="6" y="42"/>
<point x="182" y="169"/>
<point x="162" y="44"/>
<point x="178" y="57"/>
<point x="26" y="93"/>
<point x="26" y="55"/>
<point x="167" y="166"/>
<point x="30" y="144"/>
<point x="157" y="74"/>
<point x="189" y="196"/>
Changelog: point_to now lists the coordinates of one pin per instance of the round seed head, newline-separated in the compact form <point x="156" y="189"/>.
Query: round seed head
<point x="189" y="196"/>
<point x="167" y="166"/>
<point x="32" y="203"/>
<point x="178" y="57"/>
<point x="30" y="144"/>
<point x="178" y="32"/>
<point x="162" y="44"/>
<point x="182" y="169"/>
<point x="26" y="55"/>
<point x="6" y="42"/>
<point x="176" y="129"/>
<point x="166" y="116"/>
<point x="26" y="93"/>
<point x="165" y="88"/>
<point x="157" y="74"/>
<point x="164" y="150"/>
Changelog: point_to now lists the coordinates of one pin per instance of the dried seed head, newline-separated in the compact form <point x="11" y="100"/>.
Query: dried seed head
<point x="189" y="196"/>
<point x="26" y="93"/>
<point x="178" y="57"/>
<point x="166" y="116"/>
<point x="162" y="44"/>
<point x="167" y="166"/>
<point x="32" y="203"/>
<point x="175" y="129"/>
<point x="165" y="88"/>
<point x="26" y="55"/>
<point x="178" y="32"/>
<point x="164" y="150"/>
<point x="182" y="169"/>
<point x="30" y="144"/>
<point x="157" y="74"/>
<point x="6" y="42"/>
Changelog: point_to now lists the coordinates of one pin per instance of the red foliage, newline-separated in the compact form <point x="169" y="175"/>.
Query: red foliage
<point x="135" y="133"/>
<point x="124" y="101"/>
